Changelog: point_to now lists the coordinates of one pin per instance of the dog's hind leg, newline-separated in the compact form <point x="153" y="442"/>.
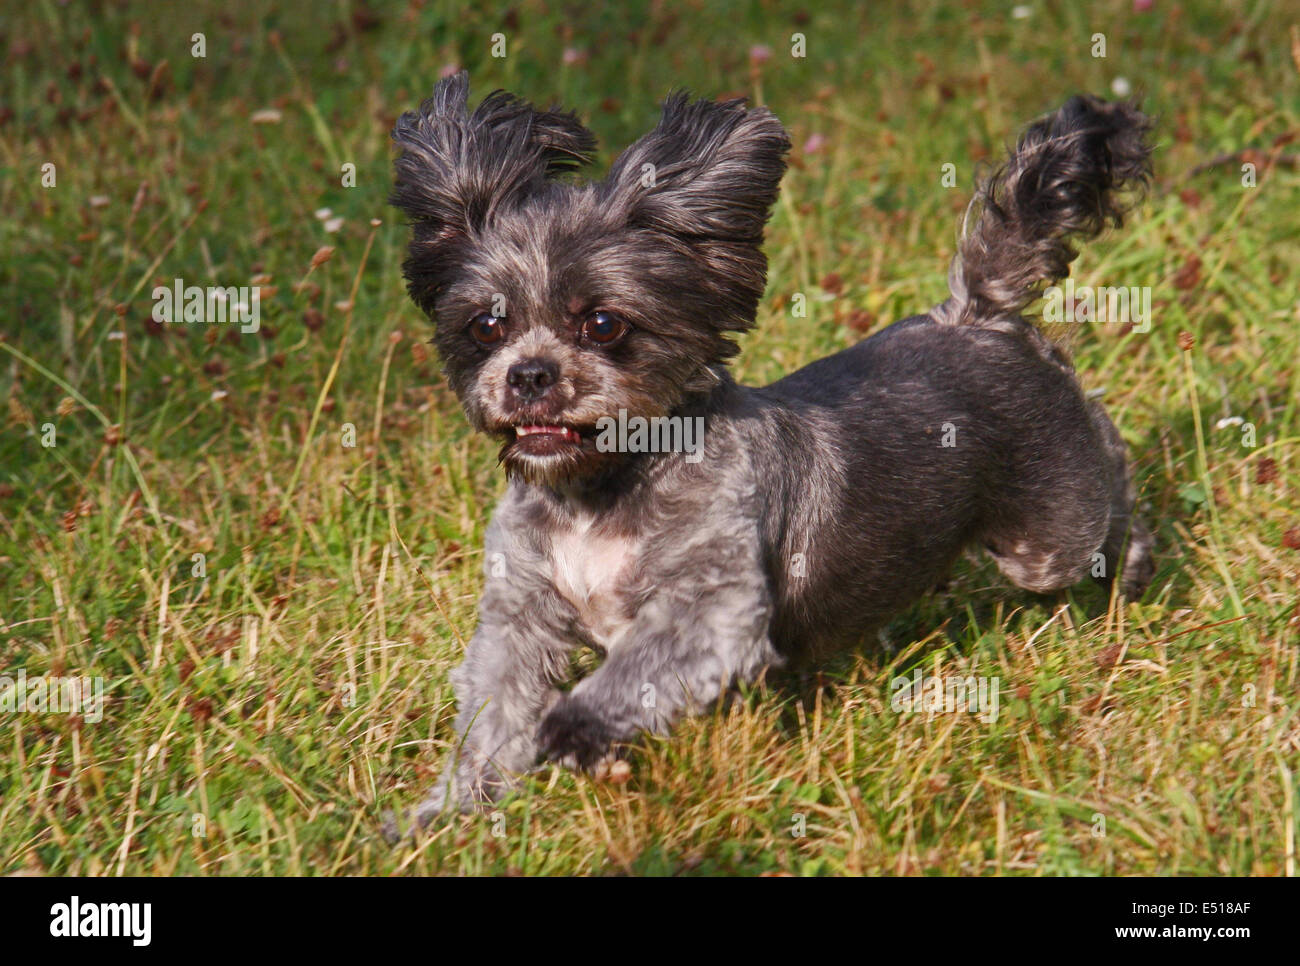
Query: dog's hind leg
<point x="1127" y="550"/>
<point x="1047" y="522"/>
<point x="1068" y="511"/>
<point x="1052" y="544"/>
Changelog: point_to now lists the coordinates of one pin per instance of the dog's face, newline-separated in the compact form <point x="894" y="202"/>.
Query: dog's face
<point x="557" y="304"/>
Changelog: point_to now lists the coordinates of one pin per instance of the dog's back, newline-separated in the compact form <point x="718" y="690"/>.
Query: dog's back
<point x="966" y="425"/>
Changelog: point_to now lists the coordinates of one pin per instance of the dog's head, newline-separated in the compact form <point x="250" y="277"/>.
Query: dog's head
<point x="558" y="303"/>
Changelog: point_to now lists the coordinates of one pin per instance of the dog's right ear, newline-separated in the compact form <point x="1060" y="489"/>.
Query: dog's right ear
<point x="458" y="169"/>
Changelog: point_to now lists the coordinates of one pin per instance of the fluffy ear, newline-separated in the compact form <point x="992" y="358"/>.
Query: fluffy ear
<point x="708" y="170"/>
<point x="707" y="177"/>
<point x="457" y="169"/>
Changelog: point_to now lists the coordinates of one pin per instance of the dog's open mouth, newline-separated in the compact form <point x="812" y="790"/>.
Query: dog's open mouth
<point x="545" y="439"/>
<point x="564" y="434"/>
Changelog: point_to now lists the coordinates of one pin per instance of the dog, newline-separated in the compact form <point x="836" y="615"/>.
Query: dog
<point x="815" y="508"/>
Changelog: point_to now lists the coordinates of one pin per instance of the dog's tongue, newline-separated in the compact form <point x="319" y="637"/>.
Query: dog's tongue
<point x="562" y="431"/>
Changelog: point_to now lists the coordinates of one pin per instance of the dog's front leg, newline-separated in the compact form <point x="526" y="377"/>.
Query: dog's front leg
<point x="502" y="688"/>
<point x="506" y="681"/>
<point x="686" y="649"/>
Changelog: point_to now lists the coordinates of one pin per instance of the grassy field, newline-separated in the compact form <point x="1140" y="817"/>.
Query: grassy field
<point x="273" y="612"/>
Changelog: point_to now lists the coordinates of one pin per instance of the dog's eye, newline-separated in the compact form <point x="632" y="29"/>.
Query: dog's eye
<point x="603" y="328"/>
<point x="486" y="329"/>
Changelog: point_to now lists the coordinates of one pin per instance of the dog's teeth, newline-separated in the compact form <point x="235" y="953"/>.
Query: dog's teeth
<point x="562" y="431"/>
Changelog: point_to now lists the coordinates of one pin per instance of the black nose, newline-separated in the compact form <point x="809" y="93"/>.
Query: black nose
<point x="532" y="378"/>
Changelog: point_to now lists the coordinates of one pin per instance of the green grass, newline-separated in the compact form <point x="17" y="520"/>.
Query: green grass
<point x="282" y="703"/>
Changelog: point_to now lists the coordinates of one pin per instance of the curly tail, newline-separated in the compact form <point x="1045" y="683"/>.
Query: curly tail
<point x="1073" y="173"/>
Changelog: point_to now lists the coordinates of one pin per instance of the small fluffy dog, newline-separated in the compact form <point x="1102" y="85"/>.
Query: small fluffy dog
<point x="818" y="506"/>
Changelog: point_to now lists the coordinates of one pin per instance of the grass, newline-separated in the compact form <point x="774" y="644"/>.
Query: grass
<point x="267" y="700"/>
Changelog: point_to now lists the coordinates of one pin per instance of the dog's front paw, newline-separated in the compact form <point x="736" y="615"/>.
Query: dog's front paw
<point x="456" y="792"/>
<point x="574" y="735"/>
<point x="408" y="822"/>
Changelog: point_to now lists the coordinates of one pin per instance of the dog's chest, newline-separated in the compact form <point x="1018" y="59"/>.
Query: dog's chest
<point x="591" y="571"/>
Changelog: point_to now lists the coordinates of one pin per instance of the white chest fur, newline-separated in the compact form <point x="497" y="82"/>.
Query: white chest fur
<point x="590" y="568"/>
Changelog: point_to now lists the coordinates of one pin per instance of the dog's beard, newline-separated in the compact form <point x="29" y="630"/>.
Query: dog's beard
<point x="552" y="459"/>
<point x="561" y="438"/>
<point x="573" y="445"/>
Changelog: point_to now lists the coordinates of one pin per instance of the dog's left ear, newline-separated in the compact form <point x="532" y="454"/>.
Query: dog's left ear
<point x="707" y="175"/>
<point x="708" y="170"/>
